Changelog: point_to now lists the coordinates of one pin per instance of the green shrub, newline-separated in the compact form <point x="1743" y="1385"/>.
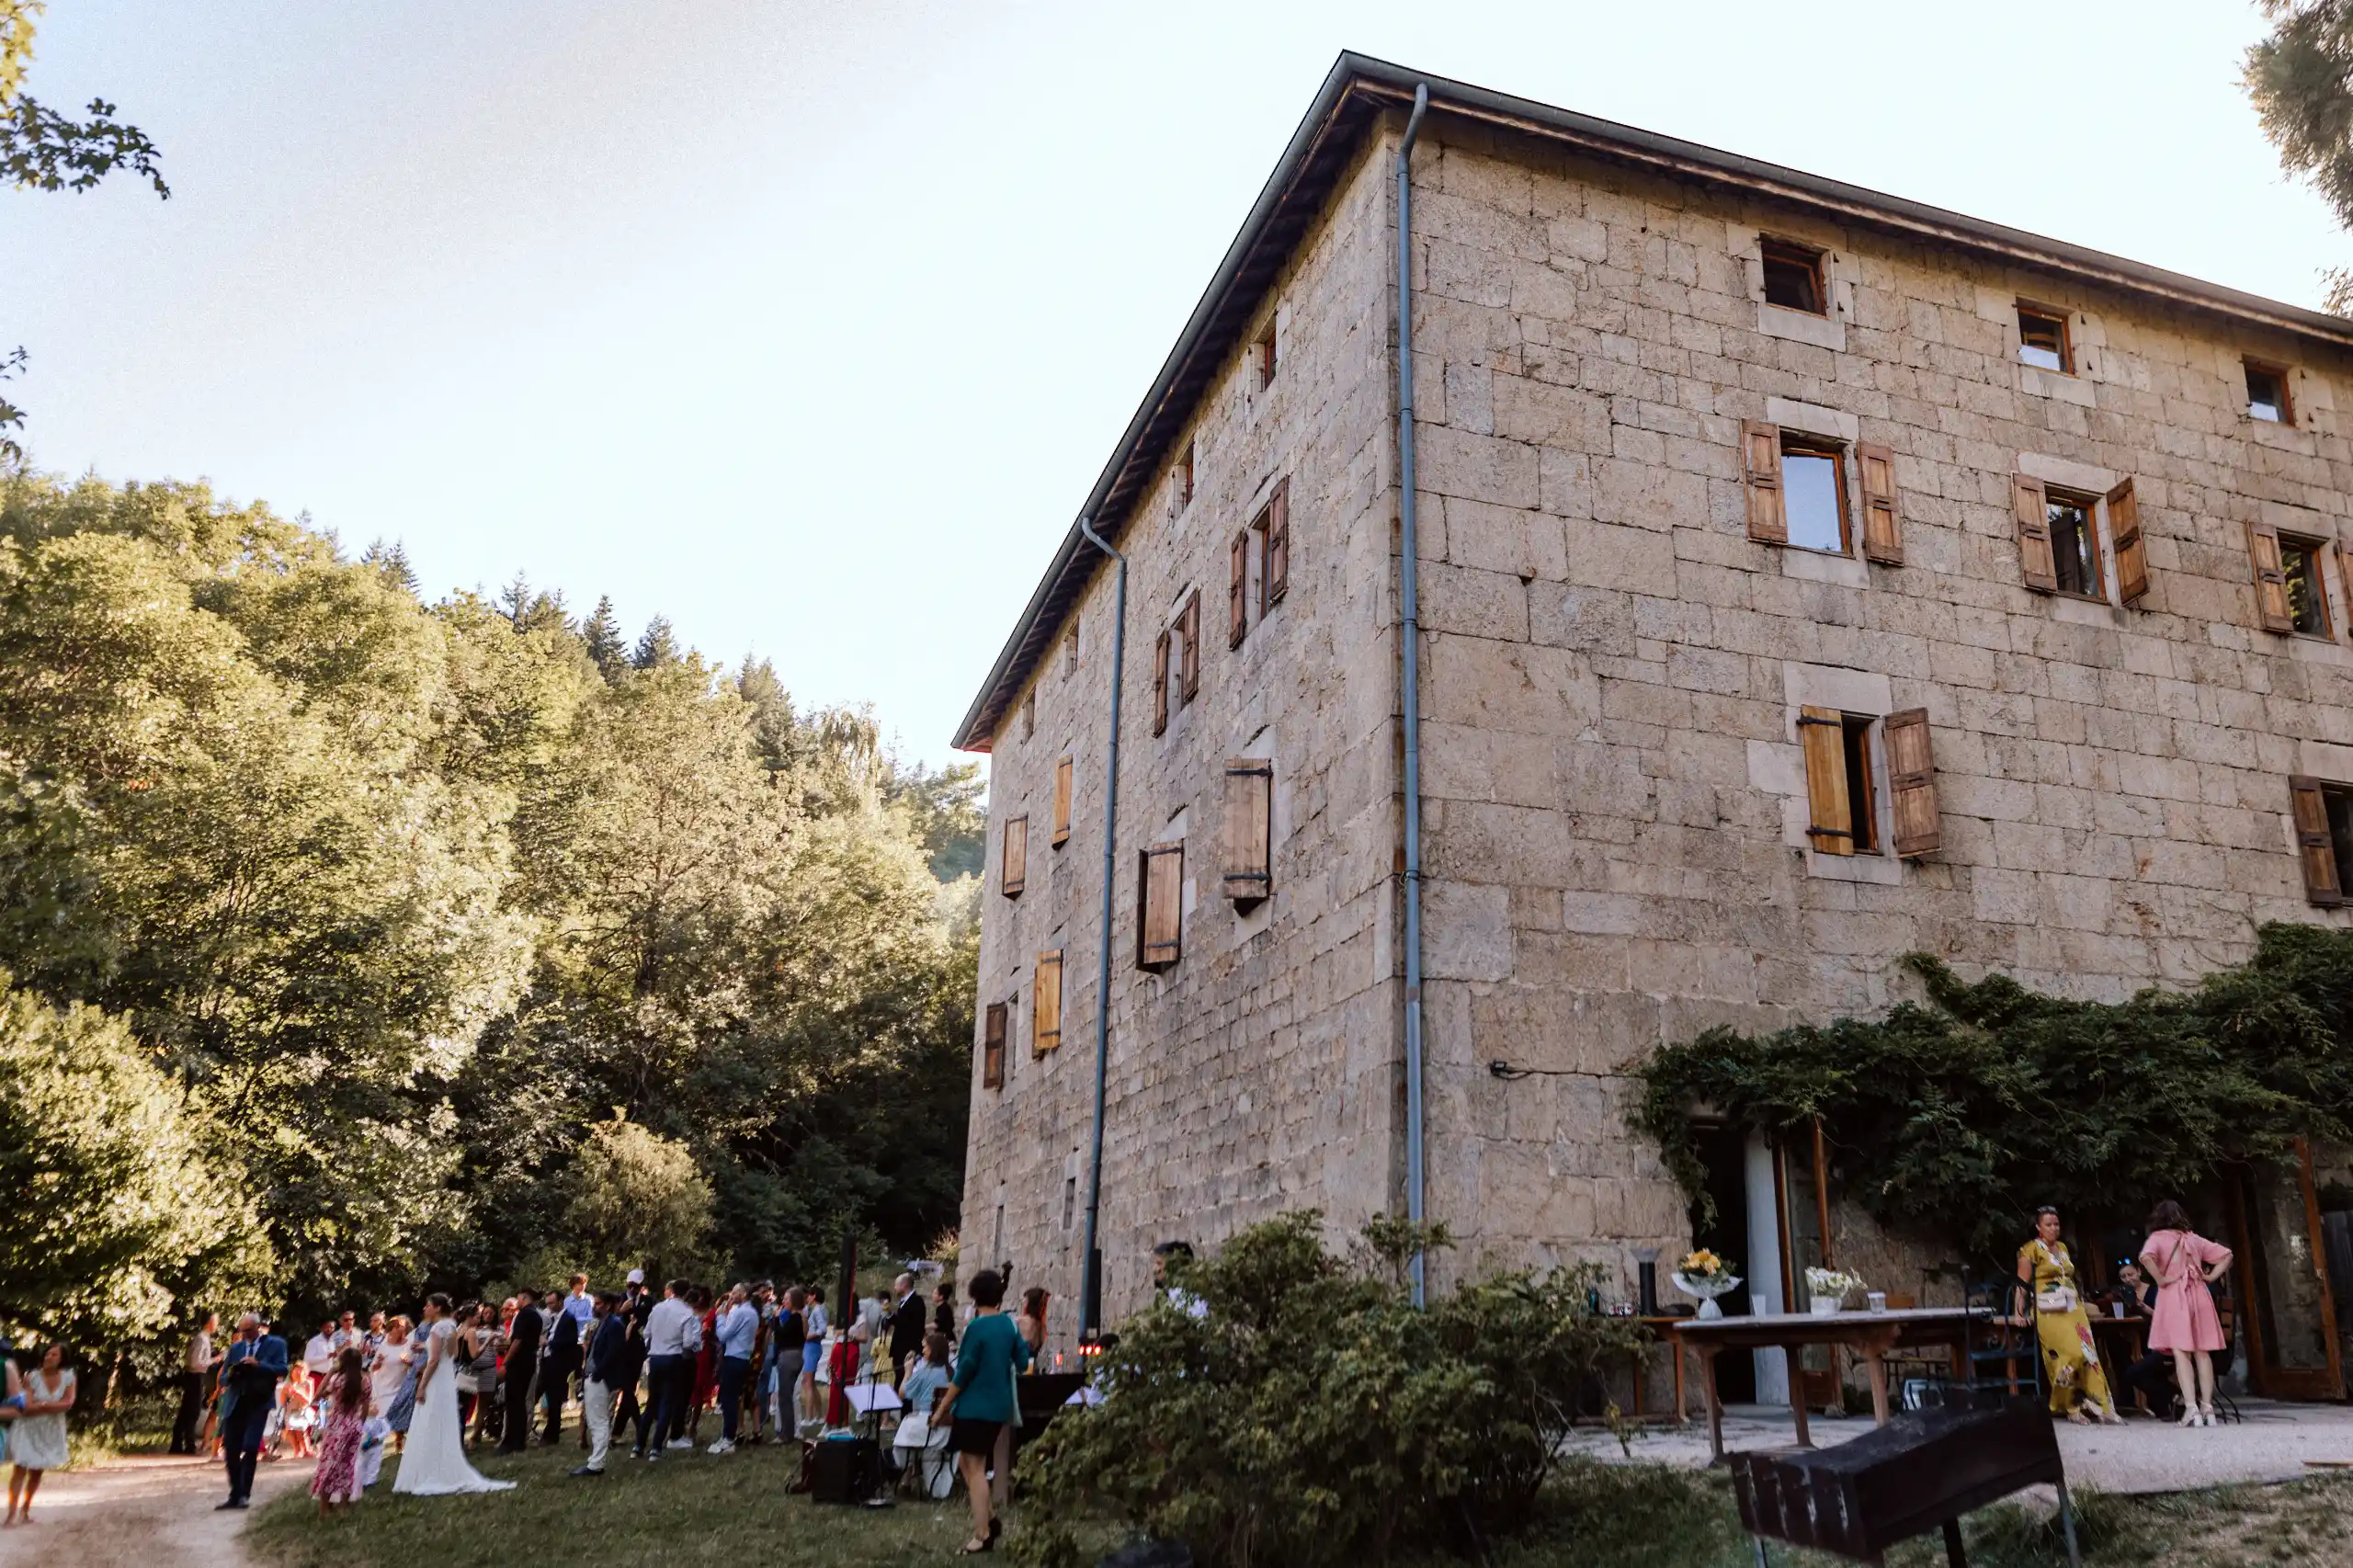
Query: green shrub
<point x="1313" y="1417"/>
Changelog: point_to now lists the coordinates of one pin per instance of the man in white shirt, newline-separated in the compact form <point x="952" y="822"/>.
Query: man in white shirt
<point x="673" y="1335"/>
<point x="736" y="1329"/>
<point x="318" y="1356"/>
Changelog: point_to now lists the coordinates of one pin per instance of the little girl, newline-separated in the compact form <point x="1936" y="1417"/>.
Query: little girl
<point x="338" y="1483"/>
<point x="295" y="1402"/>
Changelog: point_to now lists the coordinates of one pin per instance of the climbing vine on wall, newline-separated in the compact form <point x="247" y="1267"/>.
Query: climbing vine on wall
<point x="1952" y="1119"/>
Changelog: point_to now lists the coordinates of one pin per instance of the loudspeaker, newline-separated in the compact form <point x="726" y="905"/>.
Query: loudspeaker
<point x="845" y="1470"/>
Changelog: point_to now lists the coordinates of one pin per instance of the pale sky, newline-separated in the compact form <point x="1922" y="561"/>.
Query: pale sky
<point x="809" y="325"/>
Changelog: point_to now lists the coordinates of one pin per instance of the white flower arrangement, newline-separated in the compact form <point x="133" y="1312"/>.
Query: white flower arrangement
<point x="1832" y="1286"/>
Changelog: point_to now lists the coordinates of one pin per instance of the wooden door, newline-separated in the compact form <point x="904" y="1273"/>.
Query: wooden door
<point x="2280" y="1271"/>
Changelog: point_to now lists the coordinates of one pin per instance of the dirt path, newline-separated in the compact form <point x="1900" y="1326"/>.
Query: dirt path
<point x="142" y="1512"/>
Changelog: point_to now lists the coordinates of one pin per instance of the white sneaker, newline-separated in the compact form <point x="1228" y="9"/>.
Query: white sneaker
<point x="686" y="1443"/>
<point x="721" y="1447"/>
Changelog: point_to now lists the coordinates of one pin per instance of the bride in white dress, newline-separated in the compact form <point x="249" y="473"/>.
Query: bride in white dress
<point x="434" y="1463"/>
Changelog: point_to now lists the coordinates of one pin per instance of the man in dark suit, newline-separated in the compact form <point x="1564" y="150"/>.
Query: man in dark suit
<point x="906" y="1326"/>
<point x="523" y="1339"/>
<point x="561" y="1359"/>
<point x="251" y="1372"/>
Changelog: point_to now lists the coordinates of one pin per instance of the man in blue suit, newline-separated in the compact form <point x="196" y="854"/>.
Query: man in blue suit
<point x="249" y="1377"/>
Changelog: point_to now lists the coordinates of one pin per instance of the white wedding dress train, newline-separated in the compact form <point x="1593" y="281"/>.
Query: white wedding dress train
<point x="433" y="1464"/>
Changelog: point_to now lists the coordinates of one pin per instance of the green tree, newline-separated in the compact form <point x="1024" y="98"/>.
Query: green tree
<point x="2301" y="79"/>
<point x="635" y="1198"/>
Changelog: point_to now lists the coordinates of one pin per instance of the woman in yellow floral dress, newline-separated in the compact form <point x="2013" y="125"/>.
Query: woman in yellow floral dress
<point x="2070" y="1358"/>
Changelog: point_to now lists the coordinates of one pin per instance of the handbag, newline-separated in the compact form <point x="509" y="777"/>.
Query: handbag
<point x="2059" y="1298"/>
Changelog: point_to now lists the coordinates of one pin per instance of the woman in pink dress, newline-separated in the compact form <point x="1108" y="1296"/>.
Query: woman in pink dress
<point x="2185" y="1265"/>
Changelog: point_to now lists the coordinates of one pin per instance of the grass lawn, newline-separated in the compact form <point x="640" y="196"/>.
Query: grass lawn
<point x="694" y="1509"/>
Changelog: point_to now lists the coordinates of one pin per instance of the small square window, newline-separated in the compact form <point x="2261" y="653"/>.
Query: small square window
<point x="1814" y="487"/>
<point x="2074" y="545"/>
<point x="1793" y="277"/>
<point x="2042" y="340"/>
<point x="2307" y="593"/>
<point x="2266" y="394"/>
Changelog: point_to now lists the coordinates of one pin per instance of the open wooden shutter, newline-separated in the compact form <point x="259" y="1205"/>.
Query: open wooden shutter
<point x="1188" y="629"/>
<point x="992" y="1048"/>
<point x="1822" y="732"/>
<point x="1248" y="847"/>
<point x="2271" y="578"/>
<point x="1160" y="904"/>
<point x="1238" y="590"/>
<point x="2131" y="554"/>
<point x="2315" y="848"/>
<point x="1275" y="581"/>
<point x="1062" y="772"/>
<point x="2031" y="505"/>
<point x="1013" y="867"/>
<point x="1912" y="783"/>
<point x="1160" y="682"/>
<point x="1046" y="1003"/>
<point x="1760" y="464"/>
<point x="2345" y="575"/>
<point x="1883" y="531"/>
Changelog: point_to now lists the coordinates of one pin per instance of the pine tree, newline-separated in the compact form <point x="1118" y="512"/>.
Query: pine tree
<point x="515" y="600"/>
<point x="659" y="646"/>
<point x="393" y="560"/>
<point x="602" y="632"/>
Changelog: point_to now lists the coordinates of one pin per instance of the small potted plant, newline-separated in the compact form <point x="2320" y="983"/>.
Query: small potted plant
<point x="1704" y="1275"/>
<point x="1829" y="1289"/>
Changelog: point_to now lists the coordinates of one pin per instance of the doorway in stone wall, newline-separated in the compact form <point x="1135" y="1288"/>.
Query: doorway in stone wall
<point x="1724" y="1154"/>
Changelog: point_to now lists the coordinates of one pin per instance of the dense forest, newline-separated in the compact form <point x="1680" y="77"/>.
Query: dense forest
<point x="358" y="945"/>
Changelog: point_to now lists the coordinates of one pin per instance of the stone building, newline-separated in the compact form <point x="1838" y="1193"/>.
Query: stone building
<point x="1807" y="576"/>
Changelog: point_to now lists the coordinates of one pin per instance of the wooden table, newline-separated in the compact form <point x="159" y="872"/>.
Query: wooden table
<point x="1870" y="1335"/>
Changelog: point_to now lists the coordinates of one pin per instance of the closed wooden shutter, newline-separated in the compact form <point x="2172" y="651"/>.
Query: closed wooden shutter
<point x="1189" y="631"/>
<point x="2271" y="578"/>
<point x="1760" y="464"/>
<point x="1275" y="582"/>
<point x="1160" y="682"/>
<point x="1912" y="783"/>
<point x="1883" y="528"/>
<point x="2314" y="847"/>
<point x="1013" y="867"/>
<point x="1062" y="772"/>
<point x="2345" y="575"/>
<point x="1238" y="590"/>
<point x="2131" y="554"/>
<point x="1822" y="732"/>
<point x="1160" y="904"/>
<point x="2031" y="505"/>
<point x="1046" y="1003"/>
<point x="1248" y="847"/>
<point x="992" y="1048"/>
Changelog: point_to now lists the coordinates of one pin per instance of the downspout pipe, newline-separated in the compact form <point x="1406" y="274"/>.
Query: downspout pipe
<point x="1090" y="1300"/>
<point x="1410" y="678"/>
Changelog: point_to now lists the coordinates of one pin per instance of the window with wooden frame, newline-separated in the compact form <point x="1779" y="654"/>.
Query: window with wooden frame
<point x="1238" y="590"/>
<point x="993" y="1026"/>
<point x="1813" y="494"/>
<point x="1013" y="857"/>
<point x="2043" y="339"/>
<point x="1797" y="495"/>
<point x="1069" y="653"/>
<point x="1189" y="656"/>
<point x="2267" y="397"/>
<point x="2290" y="590"/>
<point x="1160" y="680"/>
<point x="1185" y="478"/>
<point x="1030" y="715"/>
<point x="2322" y="812"/>
<point x="1264" y="351"/>
<point x="2058" y="538"/>
<point x="1064" y="772"/>
<point x="1842" y="810"/>
<point x="1160" y="906"/>
<point x="1273" y="526"/>
<point x="1247" y="844"/>
<point x="1046" y="1003"/>
<point x="1793" y="277"/>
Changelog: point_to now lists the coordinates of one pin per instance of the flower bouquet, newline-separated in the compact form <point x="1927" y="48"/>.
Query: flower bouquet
<point x="1829" y="1289"/>
<point x="1704" y="1275"/>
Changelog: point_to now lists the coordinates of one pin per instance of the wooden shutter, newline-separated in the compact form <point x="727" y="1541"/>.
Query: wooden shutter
<point x="1912" y="783"/>
<point x="1822" y="732"/>
<point x="1188" y="663"/>
<point x="1760" y="463"/>
<point x="2271" y="578"/>
<point x="1160" y="904"/>
<point x="2031" y="504"/>
<point x="1238" y="590"/>
<point x="1046" y="1003"/>
<point x="2124" y="532"/>
<point x="1275" y="580"/>
<point x="992" y="1048"/>
<point x="1160" y="682"/>
<point x="2314" y="847"/>
<point x="1248" y="847"/>
<point x="1062" y="801"/>
<point x="1013" y="867"/>
<point x="1883" y="531"/>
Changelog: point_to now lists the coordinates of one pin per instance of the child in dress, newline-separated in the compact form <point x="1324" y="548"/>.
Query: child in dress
<point x="296" y="1399"/>
<point x="345" y="1404"/>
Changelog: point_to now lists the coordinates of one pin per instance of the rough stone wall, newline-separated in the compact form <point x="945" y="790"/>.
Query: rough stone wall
<point x="1615" y="796"/>
<point x="1258" y="1074"/>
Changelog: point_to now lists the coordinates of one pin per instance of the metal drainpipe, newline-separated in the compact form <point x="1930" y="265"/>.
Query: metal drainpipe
<point x="1409" y="595"/>
<point x="1090" y="1306"/>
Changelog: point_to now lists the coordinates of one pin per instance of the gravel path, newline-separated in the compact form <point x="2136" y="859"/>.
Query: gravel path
<point x="145" y="1511"/>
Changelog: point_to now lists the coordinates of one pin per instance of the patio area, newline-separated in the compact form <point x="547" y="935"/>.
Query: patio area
<point x="2277" y="1442"/>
